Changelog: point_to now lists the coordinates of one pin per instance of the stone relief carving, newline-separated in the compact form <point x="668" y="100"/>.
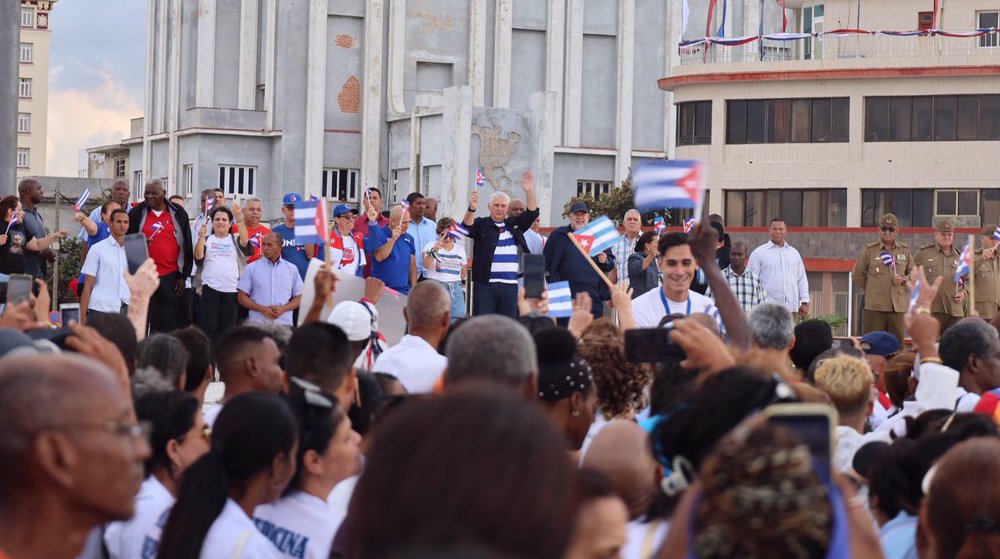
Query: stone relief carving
<point x="495" y="153"/>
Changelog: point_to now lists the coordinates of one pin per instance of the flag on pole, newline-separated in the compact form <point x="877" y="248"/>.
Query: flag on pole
<point x="889" y="260"/>
<point x="688" y="224"/>
<point x="405" y="204"/>
<point x="915" y="294"/>
<point x="669" y="184"/>
<point x="964" y="262"/>
<point x="313" y="198"/>
<point x="996" y="234"/>
<point x="82" y="199"/>
<point x="458" y="230"/>
<point x="157" y="227"/>
<point x="597" y="236"/>
<point x="310" y="223"/>
<point x="13" y="220"/>
<point x="480" y="177"/>
<point x="560" y="300"/>
<point x="659" y="225"/>
<point x="209" y="205"/>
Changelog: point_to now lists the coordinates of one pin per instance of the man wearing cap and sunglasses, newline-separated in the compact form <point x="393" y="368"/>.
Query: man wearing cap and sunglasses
<point x="881" y="270"/>
<point x="987" y="263"/>
<point x="940" y="258"/>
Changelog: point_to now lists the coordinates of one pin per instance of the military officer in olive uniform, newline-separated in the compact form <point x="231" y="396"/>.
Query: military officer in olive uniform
<point x="987" y="262"/>
<point x="941" y="259"/>
<point x="884" y="284"/>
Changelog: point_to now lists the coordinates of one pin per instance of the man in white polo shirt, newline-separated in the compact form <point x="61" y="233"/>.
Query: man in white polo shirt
<point x="675" y="296"/>
<point x="104" y="287"/>
<point x="415" y="360"/>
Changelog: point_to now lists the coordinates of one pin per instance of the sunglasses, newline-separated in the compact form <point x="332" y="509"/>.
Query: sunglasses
<point x="888" y="229"/>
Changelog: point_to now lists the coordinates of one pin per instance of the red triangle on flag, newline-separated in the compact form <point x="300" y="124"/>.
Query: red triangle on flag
<point x="586" y="241"/>
<point x="691" y="183"/>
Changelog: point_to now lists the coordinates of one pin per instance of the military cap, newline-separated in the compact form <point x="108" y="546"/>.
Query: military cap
<point x="989" y="230"/>
<point x="945" y="226"/>
<point x="888" y="220"/>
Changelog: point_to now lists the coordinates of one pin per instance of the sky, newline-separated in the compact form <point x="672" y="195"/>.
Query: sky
<point x="96" y="75"/>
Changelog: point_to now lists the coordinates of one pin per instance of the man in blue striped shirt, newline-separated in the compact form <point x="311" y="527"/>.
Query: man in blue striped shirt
<point x="499" y="242"/>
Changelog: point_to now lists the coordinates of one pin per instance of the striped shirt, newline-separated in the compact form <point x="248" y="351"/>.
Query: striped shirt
<point x="622" y="250"/>
<point x="782" y="273"/>
<point x="747" y="287"/>
<point x="504" y="266"/>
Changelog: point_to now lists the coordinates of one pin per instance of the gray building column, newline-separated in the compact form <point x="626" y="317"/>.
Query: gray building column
<point x="454" y="195"/>
<point x="10" y="33"/>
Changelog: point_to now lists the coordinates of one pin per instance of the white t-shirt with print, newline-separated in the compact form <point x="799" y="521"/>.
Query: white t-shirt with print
<point x="221" y="270"/>
<point x="234" y="535"/>
<point x="349" y="258"/>
<point x="300" y="525"/>
<point x="448" y="265"/>
<point x="124" y="540"/>
<point x="648" y="308"/>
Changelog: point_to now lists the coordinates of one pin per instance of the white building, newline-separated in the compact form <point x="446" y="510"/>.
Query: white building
<point x="33" y="86"/>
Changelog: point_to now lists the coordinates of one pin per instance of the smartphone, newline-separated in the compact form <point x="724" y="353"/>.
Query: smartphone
<point x="70" y="311"/>
<point x="136" y="251"/>
<point x="19" y="288"/>
<point x="651" y="345"/>
<point x="815" y="425"/>
<point x="534" y="275"/>
<point x="842" y="342"/>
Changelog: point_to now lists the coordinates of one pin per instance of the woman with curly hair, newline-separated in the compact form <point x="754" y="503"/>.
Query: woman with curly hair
<point x="621" y="386"/>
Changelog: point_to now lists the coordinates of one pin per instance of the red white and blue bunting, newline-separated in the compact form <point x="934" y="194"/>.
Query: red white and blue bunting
<point x="837" y="33"/>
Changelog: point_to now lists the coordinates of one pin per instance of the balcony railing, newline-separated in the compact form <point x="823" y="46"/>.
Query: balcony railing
<point x="840" y="48"/>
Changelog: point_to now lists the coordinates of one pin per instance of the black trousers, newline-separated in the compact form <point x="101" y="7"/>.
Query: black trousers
<point x="164" y="305"/>
<point x="218" y="311"/>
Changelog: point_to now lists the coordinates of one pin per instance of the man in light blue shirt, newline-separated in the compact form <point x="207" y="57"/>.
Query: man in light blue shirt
<point x="422" y="229"/>
<point x="270" y="287"/>
<point x="104" y="287"/>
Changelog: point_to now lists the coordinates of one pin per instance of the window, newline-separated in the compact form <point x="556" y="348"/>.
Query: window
<point x="235" y="180"/>
<point x="120" y="168"/>
<point x="594" y="188"/>
<point x="988" y="20"/>
<point x="942" y="118"/>
<point x="24" y="88"/>
<point x="779" y="121"/>
<point x="812" y="22"/>
<point x="23" y="158"/>
<point x="925" y="20"/>
<point x="24" y="123"/>
<point x="694" y="123"/>
<point x="917" y="207"/>
<point x="27" y="53"/>
<point x="137" y="187"/>
<point x="341" y="184"/>
<point x="956" y="202"/>
<point x="27" y="17"/>
<point x="800" y="208"/>
<point x="187" y="174"/>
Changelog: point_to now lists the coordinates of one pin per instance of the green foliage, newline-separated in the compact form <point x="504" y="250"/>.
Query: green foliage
<point x="70" y="262"/>
<point x="835" y="321"/>
<point x="614" y="204"/>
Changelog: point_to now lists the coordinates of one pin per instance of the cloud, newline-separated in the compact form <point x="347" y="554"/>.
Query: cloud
<point x="84" y="117"/>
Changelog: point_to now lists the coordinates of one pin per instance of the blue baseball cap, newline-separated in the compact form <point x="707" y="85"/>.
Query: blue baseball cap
<point x="342" y="209"/>
<point x="880" y="343"/>
<point x="291" y="198"/>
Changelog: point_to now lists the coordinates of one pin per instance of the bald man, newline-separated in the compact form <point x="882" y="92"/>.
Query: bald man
<point x="71" y="454"/>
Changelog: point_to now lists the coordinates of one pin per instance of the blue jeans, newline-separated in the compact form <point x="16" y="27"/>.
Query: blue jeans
<point x="494" y="298"/>
<point x="454" y="288"/>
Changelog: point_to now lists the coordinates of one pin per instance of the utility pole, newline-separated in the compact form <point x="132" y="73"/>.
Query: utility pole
<point x="10" y="36"/>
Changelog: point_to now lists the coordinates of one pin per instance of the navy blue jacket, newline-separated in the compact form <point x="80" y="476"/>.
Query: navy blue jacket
<point x="485" y="234"/>
<point x="564" y="262"/>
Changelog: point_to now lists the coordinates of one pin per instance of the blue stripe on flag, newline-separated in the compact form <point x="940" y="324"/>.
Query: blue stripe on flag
<point x="604" y="232"/>
<point x="560" y="300"/>
<point x="305" y="223"/>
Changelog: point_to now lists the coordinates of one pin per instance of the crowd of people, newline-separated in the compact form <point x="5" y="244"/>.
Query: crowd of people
<point x="502" y="435"/>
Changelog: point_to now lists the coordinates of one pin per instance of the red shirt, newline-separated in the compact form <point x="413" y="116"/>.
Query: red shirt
<point x="362" y="227"/>
<point x="256" y="237"/>
<point x="163" y="247"/>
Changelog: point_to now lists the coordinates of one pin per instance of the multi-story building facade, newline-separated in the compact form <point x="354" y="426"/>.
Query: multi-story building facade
<point x="33" y="86"/>
<point x="831" y="132"/>
<point x="267" y="96"/>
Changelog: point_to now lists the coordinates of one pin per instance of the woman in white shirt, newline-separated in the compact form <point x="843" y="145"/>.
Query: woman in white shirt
<point x="178" y="437"/>
<point x="301" y="524"/>
<point x="445" y="260"/>
<point x="251" y="462"/>
<point x="220" y="259"/>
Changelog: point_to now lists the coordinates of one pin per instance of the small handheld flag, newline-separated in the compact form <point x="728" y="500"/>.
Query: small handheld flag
<point x="597" y="236"/>
<point x="889" y="260"/>
<point x="458" y="230"/>
<point x="310" y="223"/>
<point x="560" y="300"/>
<point x="688" y="224"/>
<point x="964" y="262"/>
<point x="405" y="204"/>
<point x="996" y="234"/>
<point x="659" y="225"/>
<point x="669" y="184"/>
<point x="209" y="204"/>
<point x="13" y="220"/>
<point x="480" y="177"/>
<point x="313" y="198"/>
<point x="915" y="294"/>
<point x="157" y="227"/>
<point x="82" y="199"/>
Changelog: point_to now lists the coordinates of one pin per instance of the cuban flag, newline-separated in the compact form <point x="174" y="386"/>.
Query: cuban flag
<point x="313" y="198"/>
<point x="597" y="236"/>
<point x="996" y="234"/>
<point x="669" y="184"/>
<point x="255" y="240"/>
<point x="659" y="225"/>
<point x="480" y="177"/>
<point x="209" y="205"/>
<point x="688" y="224"/>
<point x="310" y="223"/>
<point x="405" y="204"/>
<point x="964" y="262"/>
<point x="13" y="221"/>
<point x="915" y="294"/>
<point x="889" y="260"/>
<point x="560" y="300"/>
<point x="458" y="230"/>
<point x="82" y="199"/>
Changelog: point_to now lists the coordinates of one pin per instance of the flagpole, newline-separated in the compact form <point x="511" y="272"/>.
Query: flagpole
<point x="972" y="276"/>
<point x="593" y="265"/>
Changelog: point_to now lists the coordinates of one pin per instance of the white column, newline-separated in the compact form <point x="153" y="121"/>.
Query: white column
<point x="556" y="44"/>
<point x="573" y="93"/>
<point x="160" y="91"/>
<point x="147" y="121"/>
<point x="626" y="63"/>
<point x="174" y="97"/>
<point x="371" y="97"/>
<point x="205" y="71"/>
<point x="270" y="81"/>
<point x="315" y="94"/>
<point x="544" y="119"/>
<point x="501" y="54"/>
<point x="414" y="153"/>
<point x="477" y="51"/>
<point x="397" y="56"/>
<point x="247" y="80"/>
<point x="674" y="34"/>
<point x="455" y="179"/>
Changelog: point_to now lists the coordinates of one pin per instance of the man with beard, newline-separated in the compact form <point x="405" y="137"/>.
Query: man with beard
<point x="677" y="263"/>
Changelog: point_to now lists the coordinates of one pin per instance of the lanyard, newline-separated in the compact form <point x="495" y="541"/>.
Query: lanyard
<point x="666" y="305"/>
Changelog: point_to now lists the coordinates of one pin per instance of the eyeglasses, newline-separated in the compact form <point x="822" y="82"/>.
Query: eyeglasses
<point x="139" y="430"/>
<point x="348" y="216"/>
<point x="888" y="229"/>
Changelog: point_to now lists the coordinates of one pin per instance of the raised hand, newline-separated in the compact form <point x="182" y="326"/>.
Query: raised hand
<point x="474" y="200"/>
<point x="527" y="182"/>
<point x="582" y="314"/>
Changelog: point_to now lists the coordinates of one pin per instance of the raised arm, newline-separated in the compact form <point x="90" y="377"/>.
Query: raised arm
<point x="88" y="224"/>
<point x="470" y="212"/>
<point x="703" y="241"/>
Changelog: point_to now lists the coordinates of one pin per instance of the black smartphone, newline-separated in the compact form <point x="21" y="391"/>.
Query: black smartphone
<point x="815" y="425"/>
<point x="534" y="275"/>
<point x="651" y="345"/>
<point x="19" y="288"/>
<point x="136" y="251"/>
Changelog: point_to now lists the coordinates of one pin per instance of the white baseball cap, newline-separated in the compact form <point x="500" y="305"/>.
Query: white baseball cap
<point x="354" y="319"/>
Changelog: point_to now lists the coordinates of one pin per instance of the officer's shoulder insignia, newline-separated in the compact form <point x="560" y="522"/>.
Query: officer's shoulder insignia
<point x="873" y="244"/>
<point x="902" y="244"/>
<point x="927" y="246"/>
